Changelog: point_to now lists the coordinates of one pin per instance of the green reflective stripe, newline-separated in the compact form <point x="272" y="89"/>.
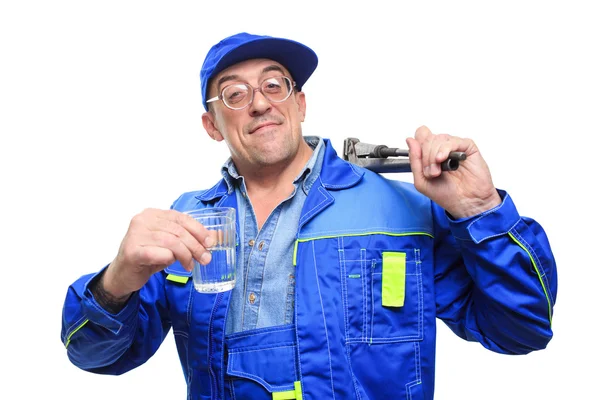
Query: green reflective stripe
<point x="287" y="395"/>
<point x="355" y="234"/>
<point x="295" y="394"/>
<point x="72" y="333"/>
<point x="298" y="389"/>
<point x="177" y="278"/>
<point x="393" y="279"/>
<point x="537" y="270"/>
<point x="295" y="253"/>
<point x="367" y="234"/>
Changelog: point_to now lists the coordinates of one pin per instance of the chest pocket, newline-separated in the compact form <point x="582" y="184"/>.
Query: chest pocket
<point x="382" y="293"/>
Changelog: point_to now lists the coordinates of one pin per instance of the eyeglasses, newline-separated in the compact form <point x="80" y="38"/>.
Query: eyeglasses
<point x="239" y="95"/>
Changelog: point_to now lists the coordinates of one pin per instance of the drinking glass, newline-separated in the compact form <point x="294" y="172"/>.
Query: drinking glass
<point x="219" y="274"/>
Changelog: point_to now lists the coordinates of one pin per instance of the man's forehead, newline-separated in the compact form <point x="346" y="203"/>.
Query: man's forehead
<point x="250" y="68"/>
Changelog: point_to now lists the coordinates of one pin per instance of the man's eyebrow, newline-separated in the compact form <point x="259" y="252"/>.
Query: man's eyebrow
<point x="227" y="78"/>
<point x="273" y="68"/>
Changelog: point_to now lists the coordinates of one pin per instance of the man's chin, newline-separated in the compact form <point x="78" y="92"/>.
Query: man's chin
<point x="274" y="160"/>
<point x="273" y="156"/>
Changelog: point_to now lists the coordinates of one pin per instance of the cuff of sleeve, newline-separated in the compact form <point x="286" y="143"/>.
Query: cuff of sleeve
<point x="495" y="222"/>
<point x="113" y="322"/>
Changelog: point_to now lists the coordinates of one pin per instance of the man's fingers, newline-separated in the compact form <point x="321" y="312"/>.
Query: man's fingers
<point x="216" y="236"/>
<point x="194" y="227"/>
<point x="425" y="138"/>
<point x="422" y="134"/>
<point x="173" y="243"/>
<point x="194" y="246"/>
<point x="155" y="256"/>
<point x="415" y="154"/>
<point x="185" y="237"/>
<point x="439" y="149"/>
<point x="436" y="148"/>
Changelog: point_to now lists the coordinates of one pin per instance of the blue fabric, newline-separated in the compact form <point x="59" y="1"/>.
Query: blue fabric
<point x="299" y="59"/>
<point x="265" y="270"/>
<point x="490" y="278"/>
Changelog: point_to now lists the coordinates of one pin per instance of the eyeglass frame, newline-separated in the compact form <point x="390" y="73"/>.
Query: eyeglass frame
<point x="258" y="89"/>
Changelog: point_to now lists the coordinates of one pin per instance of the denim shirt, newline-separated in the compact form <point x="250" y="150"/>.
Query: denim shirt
<point x="263" y="295"/>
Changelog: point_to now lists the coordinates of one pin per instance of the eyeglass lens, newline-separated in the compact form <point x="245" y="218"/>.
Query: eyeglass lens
<point x="276" y="89"/>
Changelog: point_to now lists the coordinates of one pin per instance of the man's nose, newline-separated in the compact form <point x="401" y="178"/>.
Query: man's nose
<point x="260" y="104"/>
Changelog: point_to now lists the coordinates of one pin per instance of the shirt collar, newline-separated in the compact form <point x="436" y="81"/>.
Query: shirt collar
<point x="307" y="176"/>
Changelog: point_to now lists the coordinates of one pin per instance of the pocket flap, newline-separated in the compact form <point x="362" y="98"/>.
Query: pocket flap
<point x="176" y="273"/>
<point x="273" y="367"/>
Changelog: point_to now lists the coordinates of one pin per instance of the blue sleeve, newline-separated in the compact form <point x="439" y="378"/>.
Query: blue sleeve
<point x="105" y="343"/>
<point x="495" y="278"/>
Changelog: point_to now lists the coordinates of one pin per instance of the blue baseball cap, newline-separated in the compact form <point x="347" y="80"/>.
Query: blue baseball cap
<point x="299" y="59"/>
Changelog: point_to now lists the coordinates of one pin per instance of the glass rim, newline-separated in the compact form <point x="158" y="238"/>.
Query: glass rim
<point x="210" y="210"/>
<point x="226" y="214"/>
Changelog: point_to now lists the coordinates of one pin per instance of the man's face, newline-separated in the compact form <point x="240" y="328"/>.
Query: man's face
<point x="264" y="133"/>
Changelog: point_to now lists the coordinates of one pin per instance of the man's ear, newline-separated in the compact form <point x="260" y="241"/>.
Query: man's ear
<point x="208" y="121"/>
<point x="301" y="101"/>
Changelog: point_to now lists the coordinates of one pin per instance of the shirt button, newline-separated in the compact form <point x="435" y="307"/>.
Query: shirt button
<point x="261" y="245"/>
<point x="252" y="298"/>
<point x="243" y="194"/>
<point x="251" y="242"/>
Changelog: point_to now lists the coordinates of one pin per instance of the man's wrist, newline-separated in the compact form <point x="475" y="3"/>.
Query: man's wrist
<point x="476" y="207"/>
<point x="112" y="304"/>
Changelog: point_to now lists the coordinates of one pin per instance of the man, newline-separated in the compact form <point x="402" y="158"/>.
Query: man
<point x="341" y="273"/>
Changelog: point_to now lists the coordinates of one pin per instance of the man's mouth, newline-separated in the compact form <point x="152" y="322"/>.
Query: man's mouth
<point x="263" y="125"/>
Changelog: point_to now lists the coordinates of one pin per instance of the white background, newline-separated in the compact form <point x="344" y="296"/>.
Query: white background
<point x="100" y="117"/>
